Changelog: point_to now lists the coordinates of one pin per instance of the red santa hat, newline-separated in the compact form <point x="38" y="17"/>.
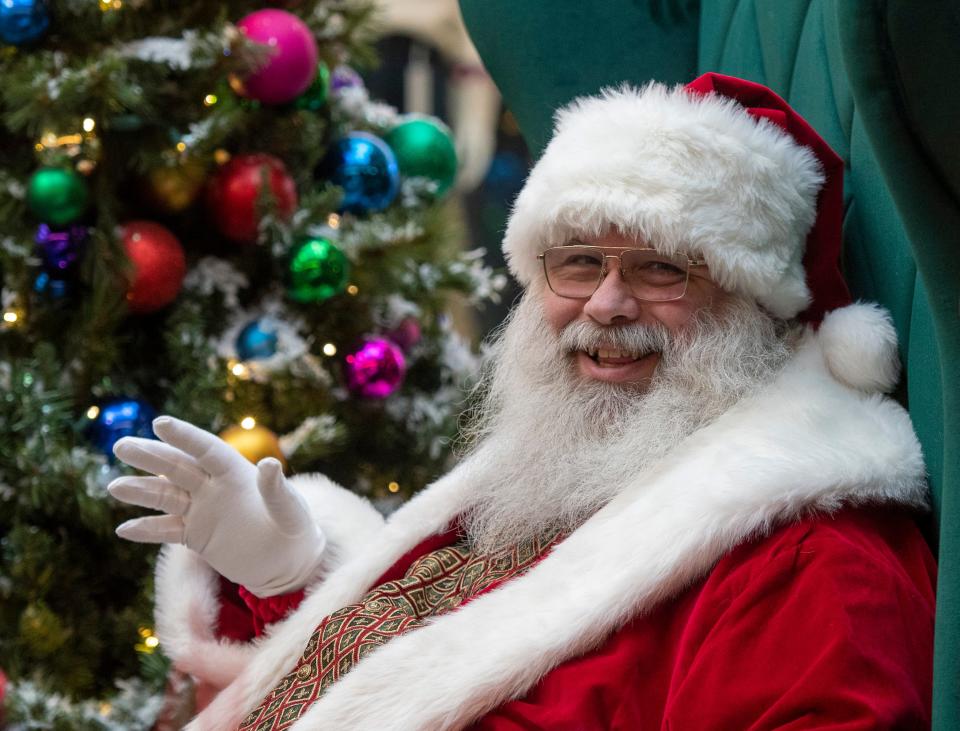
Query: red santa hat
<point x="721" y="169"/>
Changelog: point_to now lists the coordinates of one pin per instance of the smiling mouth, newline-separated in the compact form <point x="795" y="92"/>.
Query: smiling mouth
<point x="610" y="358"/>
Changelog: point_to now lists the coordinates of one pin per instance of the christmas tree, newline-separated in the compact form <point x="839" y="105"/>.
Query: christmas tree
<point x="203" y="214"/>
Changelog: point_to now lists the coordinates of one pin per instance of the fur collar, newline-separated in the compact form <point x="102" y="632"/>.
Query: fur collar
<point x="807" y="442"/>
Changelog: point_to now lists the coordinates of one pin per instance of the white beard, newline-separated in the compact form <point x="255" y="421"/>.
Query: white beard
<point x="562" y="445"/>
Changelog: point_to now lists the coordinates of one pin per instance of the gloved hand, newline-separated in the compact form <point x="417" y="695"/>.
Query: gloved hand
<point x="246" y="521"/>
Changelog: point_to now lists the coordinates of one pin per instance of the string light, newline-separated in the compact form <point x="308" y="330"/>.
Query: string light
<point x="181" y="147"/>
<point x="393" y="487"/>
<point x="93" y="412"/>
<point x="221" y="156"/>
<point x="150" y="641"/>
<point x="329" y="349"/>
<point x="239" y="370"/>
<point x="352" y="289"/>
<point x="105" y="709"/>
<point x="88" y="124"/>
<point x="248" y="422"/>
<point x="209" y="100"/>
<point x="10" y="316"/>
<point x="333" y="221"/>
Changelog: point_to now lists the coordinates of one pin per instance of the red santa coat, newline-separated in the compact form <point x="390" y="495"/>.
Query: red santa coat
<point x="703" y="596"/>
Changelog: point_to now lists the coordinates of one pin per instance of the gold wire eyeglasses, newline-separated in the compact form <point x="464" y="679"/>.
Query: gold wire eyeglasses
<point x="577" y="270"/>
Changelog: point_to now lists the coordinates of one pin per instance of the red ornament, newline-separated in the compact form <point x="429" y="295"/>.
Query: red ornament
<point x="160" y="265"/>
<point x="235" y="191"/>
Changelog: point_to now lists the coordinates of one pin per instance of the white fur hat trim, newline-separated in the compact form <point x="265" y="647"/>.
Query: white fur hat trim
<point x="684" y="172"/>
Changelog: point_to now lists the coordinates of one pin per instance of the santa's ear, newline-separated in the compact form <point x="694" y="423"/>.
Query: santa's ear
<point x="859" y="343"/>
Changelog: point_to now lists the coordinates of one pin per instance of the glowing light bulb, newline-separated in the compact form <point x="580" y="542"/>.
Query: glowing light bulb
<point x="88" y="124"/>
<point x="333" y="221"/>
<point x="93" y="412"/>
<point x="209" y="100"/>
<point x="248" y="422"/>
<point x="352" y="289"/>
<point x="393" y="487"/>
<point x="10" y="316"/>
<point x="181" y="147"/>
<point x="329" y="349"/>
<point x="239" y="370"/>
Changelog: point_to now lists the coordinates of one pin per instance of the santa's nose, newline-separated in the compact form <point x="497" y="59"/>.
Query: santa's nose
<point x="613" y="301"/>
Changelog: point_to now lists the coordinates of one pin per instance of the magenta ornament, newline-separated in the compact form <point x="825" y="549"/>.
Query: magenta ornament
<point x="292" y="65"/>
<point x="376" y="369"/>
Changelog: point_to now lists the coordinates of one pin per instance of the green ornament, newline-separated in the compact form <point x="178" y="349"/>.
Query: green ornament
<point x="424" y="148"/>
<point x="57" y="196"/>
<point x="318" y="271"/>
<point x="316" y="95"/>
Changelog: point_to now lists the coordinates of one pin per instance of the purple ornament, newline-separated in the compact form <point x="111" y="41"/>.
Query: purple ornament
<point x="376" y="370"/>
<point x="407" y="333"/>
<point x="60" y="247"/>
<point x="292" y="65"/>
<point x="344" y="77"/>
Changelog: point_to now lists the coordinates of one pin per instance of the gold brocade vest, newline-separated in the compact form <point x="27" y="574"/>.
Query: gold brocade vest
<point x="435" y="583"/>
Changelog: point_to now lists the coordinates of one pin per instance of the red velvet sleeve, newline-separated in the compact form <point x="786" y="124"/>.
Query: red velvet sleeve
<point x="243" y="615"/>
<point x="834" y="634"/>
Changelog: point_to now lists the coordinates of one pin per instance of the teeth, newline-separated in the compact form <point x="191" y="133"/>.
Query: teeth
<point x="604" y="353"/>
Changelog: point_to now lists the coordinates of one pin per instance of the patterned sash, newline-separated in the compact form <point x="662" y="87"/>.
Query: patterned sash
<point x="435" y="583"/>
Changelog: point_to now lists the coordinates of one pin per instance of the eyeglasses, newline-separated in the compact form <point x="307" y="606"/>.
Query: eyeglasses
<point x="576" y="271"/>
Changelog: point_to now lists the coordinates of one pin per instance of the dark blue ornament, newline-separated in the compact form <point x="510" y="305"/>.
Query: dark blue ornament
<point x="60" y="248"/>
<point x="366" y="168"/>
<point x="53" y="287"/>
<point x="258" y="339"/>
<point x="23" y="21"/>
<point x="118" y="418"/>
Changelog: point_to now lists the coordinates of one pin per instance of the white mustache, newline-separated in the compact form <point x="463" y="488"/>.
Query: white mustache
<point x="633" y="338"/>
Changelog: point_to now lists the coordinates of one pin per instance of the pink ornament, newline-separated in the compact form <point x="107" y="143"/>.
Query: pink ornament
<point x="407" y="333"/>
<point x="376" y="370"/>
<point x="292" y="65"/>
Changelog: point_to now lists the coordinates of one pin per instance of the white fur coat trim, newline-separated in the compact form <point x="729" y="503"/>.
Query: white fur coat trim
<point x="685" y="172"/>
<point x="805" y="443"/>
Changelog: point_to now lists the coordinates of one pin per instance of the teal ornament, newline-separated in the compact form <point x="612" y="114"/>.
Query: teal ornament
<point x="23" y="21"/>
<point x="318" y="271"/>
<point x="315" y="97"/>
<point x="257" y="340"/>
<point x="366" y="168"/>
<point x="424" y="148"/>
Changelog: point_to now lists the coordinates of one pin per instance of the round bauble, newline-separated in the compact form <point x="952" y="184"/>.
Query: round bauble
<point x="407" y="333"/>
<point x="316" y="95"/>
<point x="234" y="192"/>
<point x="57" y="196"/>
<point x="254" y="444"/>
<point x="23" y="21"/>
<point x="376" y="369"/>
<point x="60" y="248"/>
<point x="292" y="63"/>
<point x="173" y="189"/>
<point x="159" y="263"/>
<point x="318" y="271"/>
<point x="366" y="168"/>
<point x="424" y="148"/>
<point x="257" y="340"/>
<point x="120" y="417"/>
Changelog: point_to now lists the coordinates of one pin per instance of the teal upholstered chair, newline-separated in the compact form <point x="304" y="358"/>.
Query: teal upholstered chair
<point x="875" y="78"/>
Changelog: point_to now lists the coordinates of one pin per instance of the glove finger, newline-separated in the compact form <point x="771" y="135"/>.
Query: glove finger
<point x="284" y="505"/>
<point x="156" y="493"/>
<point x="155" y="529"/>
<point x="212" y="453"/>
<point x="150" y="455"/>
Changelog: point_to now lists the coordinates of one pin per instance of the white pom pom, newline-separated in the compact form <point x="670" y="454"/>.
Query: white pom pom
<point x="859" y="343"/>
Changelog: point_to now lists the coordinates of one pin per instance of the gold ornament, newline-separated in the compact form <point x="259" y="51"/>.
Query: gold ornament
<point x="174" y="189"/>
<point x="255" y="443"/>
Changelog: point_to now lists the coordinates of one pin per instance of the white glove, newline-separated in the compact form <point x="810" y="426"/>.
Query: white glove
<point x="246" y="521"/>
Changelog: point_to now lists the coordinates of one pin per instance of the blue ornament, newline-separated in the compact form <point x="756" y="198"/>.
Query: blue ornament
<point x="60" y="248"/>
<point x="118" y="418"/>
<point x="366" y="168"/>
<point x="23" y="21"/>
<point x="54" y="287"/>
<point x="258" y="339"/>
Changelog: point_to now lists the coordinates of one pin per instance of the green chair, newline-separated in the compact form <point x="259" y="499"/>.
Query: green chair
<point x="874" y="78"/>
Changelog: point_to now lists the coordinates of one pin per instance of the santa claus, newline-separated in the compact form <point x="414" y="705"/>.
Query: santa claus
<point x="682" y="502"/>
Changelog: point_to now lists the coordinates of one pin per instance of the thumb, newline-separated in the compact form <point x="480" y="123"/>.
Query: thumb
<point x="284" y="506"/>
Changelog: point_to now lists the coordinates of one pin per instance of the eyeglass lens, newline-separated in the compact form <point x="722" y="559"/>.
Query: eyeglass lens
<point x="576" y="271"/>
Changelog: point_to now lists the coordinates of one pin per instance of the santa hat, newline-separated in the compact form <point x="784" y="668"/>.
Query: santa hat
<point x="722" y="169"/>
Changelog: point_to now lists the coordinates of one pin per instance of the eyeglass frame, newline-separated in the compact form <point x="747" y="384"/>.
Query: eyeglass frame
<point x="691" y="263"/>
